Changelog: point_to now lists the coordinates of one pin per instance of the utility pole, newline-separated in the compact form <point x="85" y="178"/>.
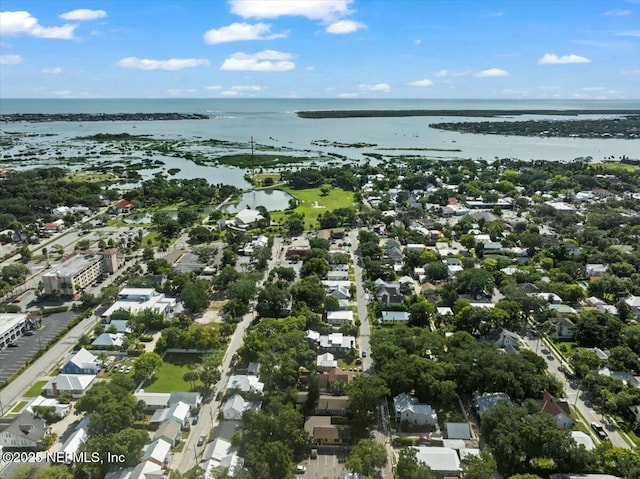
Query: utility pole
<point x="252" y="143"/>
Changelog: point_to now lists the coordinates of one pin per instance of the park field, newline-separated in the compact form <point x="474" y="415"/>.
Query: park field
<point x="168" y="378"/>
<point x="311" y="202"/>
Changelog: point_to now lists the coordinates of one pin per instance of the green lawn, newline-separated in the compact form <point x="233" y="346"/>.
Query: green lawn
<point x="311" y="203"/>
<point x="18" y="407"/>
<point x="34" y="391"/>
<point x="614" y="165"/>
<point x="169" y="377"/>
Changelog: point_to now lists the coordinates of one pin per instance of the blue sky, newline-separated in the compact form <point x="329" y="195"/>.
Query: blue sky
<point x="570" y="49"/>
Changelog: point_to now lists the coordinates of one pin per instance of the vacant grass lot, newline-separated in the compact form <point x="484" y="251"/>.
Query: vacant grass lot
<point x="34" y="391"/>
<point x="169" y="377"/>
<point x="311" y="203"/>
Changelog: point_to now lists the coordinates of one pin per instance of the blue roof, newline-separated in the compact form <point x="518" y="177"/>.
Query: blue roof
<point x="395" y="316"/>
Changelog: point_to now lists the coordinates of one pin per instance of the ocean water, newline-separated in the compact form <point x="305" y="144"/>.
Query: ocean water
<point x="273" y="122"/>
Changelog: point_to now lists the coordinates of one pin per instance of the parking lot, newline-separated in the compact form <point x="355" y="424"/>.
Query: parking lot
<point x="13" y="359"/>
<point x="326" y="466"/>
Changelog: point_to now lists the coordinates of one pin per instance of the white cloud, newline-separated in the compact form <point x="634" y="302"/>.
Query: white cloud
<point x="10" y="59"/>
<point x="23" y="23"/>
<point x="617" y="13"/>
<point x="171" y="64"/>
<point x="630" y="72"/>
<point x="264" y="61"/>
<point x="377" y="87"/>
<point x="343" y="27"/>
<point x="324" y="10"/>
<point x="83" y="15"/>
<point x="239" y="32"/>
<point x="492" y="72"/>
<point x="442" y="73"/>
<point x="348" y="95"/>
<point x="422" y="83"/>
<point x="213" y="87"/>
<point x="417" y="42"/>
<point x="553" y="59"/>
<point x="62" y="93"/>
<point x="52" y="71"/>
<point x="492" y="15"/>
<point x="246" y="88"/>
<point x="631" y="33"/>
<point x="516" y="91"/>
<point x="594" y="88"/>
<point x="449" y="73"/>
<point x="239" y="90"/>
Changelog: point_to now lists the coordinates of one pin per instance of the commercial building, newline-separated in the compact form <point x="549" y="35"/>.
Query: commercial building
<point x="135" y="300"/>
<point x="12" y="325"/>
<point x="80" y="271"/>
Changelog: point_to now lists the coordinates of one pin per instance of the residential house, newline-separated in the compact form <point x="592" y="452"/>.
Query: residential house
<point x="393" y="317"/>
<point x="77" y="438"/>
<point x="170" y="432"/>
<point x="323" y="432"/>
<point x="60" y="409"/>
<point x="144" y="470"/>
<point x="122" y="207"/>
<point x="74" y="384"/>
<point x="178" y="412"/>
<point x="458" y="430"/>
<point x="634" y="303"/>
<point x="220" y="454"/>
<point x="157" y="452"/>
<point x="329" y="405"/>
<point x="504" y="339"/>
<point x="595" y="270"/>
<point x="81" y="362"/>
<point x="327" y="378"/>
<point x="583" y="439"/>
<point x="336" y="343"/>
<point x="635" y="410"/>
<point x="192" y="399"/>
<point x="245" y="384"/>
<point x="483" y="402"/>
<point x="558" y="408"/>
<point x="388" y="292"/>
<point x="108" y="341"/>
<point x="443" y="461"/>
<point x="338" y="275"/>
<point x="565" y="327"/>
<point x="408" y="409"/>
<point x="338" y="318"/>
<point x="236" y="405"/>
<point x="25" y="433"/>
<point x="326" y="362"/>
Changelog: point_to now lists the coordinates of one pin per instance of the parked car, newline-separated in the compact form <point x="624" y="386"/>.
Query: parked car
<point x="201" y="441"/>
<point x="602" y="434"/>
<point x="12" y="345"/>
<point x="195" y="420"/>
<point x="364" y="354"/>
<point x="29" y="332"/>
<point x="127" y="369"/>
<point x="300" y="469"/>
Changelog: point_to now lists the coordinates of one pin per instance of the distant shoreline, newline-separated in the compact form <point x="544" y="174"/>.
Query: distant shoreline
<point x="320" y="114"/>
<point x="76" y="117"/>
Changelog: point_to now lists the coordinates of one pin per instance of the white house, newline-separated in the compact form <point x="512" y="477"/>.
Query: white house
<point x="326" y="362"/>
<point x="77" y="438"/>
<point x="108" y="341"/>
<point x="220" y="454"/>
<point x="157" y="452"/>
<point x="74" y="384"/>
<point x="178" y="412"/>
<point x="443" y="461"/>
<point x="60" y="410"/>
<point x="235" y="406"/>
<point x="337" y="318"/>
<point x="408" y="409"/>
<point x="245" y="384"/>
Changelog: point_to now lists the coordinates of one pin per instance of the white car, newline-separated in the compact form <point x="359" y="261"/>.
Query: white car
<point x="300" y="469"/>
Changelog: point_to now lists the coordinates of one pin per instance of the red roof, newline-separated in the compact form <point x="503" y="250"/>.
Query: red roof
<point x="124" y="204"/>
<point x="554" y="406"/>
<point x="453" y="201"/>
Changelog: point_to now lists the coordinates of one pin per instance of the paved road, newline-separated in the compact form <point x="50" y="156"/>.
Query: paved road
<point x="191" y="454"/>
<point x="574" y="395"/>
<point x="361" y="299"/>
